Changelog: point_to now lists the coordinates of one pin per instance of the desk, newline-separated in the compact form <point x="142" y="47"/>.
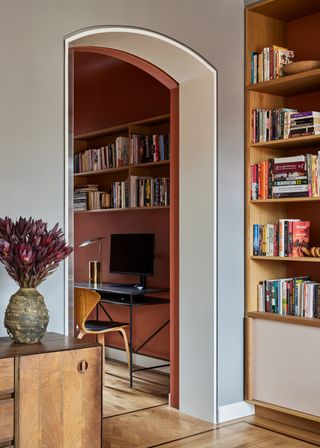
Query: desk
<point x="132" y="297"/>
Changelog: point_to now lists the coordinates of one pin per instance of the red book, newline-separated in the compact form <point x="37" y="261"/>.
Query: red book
<point x="300" y="237"/>
<point x="289" y="167"/>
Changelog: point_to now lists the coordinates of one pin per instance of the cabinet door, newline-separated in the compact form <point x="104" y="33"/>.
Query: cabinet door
<point x="59" y="400"/>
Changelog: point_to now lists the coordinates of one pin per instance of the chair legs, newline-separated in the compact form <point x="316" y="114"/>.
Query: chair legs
<point x="126" y="344"/>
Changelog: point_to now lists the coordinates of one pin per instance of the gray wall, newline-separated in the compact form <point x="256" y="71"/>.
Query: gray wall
<point x="31" y="129"/>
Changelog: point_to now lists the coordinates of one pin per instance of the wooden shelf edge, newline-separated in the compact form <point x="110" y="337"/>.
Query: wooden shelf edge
<point x="122" y="168"/>
<point x="294" y="142"/>
<point x="279" y="200"/>
<point x="297" y="259"/>
<point x="127" y="209"/>
<point x="307" y="321"/>
<point x="121" y="127"/>
<point x="307" y="81"/>
<point x="284" y="410"/>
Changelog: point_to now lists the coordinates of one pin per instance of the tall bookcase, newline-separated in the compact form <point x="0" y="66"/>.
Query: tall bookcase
<point x="282" y="366"/>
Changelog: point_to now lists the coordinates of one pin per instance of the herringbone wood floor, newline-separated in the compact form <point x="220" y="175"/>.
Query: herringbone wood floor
<point x="140" y="418"/>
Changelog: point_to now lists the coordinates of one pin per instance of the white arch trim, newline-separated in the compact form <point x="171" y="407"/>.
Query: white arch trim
<point x="197" y="81"/>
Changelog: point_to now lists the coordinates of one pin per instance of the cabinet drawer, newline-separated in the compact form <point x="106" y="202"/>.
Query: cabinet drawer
<point x="6" y="376"/>
<point x="6" y="420"/>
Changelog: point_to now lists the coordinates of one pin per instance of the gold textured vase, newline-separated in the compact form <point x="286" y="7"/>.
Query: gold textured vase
<point x="26" y="317"/>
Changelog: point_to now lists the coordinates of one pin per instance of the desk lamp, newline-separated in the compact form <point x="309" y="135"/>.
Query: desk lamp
<point x="94" y="266"/>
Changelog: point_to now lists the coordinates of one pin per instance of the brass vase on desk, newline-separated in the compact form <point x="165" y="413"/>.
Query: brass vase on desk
<point x="94" y="271"/>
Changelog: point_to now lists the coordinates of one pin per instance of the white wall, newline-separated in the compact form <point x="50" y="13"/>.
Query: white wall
<point x="31" y="129"/>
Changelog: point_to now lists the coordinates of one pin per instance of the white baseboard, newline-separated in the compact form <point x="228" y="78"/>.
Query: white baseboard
<point x="234" y="411"/>
<point x="139" y="360"/>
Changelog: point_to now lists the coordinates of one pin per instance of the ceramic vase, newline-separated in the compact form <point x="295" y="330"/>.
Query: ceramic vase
<point x="26" y="317"/>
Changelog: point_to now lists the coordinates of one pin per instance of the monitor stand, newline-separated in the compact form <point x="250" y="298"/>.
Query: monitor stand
<point x="139" y="286"/>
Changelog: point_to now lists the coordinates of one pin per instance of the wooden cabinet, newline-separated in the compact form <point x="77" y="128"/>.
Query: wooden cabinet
<point x="51" y="394"/>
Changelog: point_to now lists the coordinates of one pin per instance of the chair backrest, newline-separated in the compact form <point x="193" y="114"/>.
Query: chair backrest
<point x="85" y="300"/>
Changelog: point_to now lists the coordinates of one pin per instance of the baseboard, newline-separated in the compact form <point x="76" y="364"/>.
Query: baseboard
<point x="139" y="360"/>
<point x="234" y="411"/>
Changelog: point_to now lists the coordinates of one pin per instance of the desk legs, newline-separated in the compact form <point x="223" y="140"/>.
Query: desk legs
<point x="131" y="341"/>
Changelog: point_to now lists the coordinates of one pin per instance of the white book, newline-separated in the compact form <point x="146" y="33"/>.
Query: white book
<point x="290" y="189"/>
<point x="290" y="159"/>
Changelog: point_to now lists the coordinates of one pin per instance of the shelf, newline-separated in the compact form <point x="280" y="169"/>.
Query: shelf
<point x="107" y="171"/>
<point x="123" y="168"/>
<point x="290" y="85"/>
<point x="281" y="200"/>
<point x="121" y="128"/>
<point x="289" y="143"/>
<point x="128" y="209"/>
<point x="312" y="322"/>
<point x="150" y="164"/>
<point x="298" y="259"/>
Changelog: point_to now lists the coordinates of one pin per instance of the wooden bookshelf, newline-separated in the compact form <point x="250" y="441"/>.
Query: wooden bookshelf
<point x="284" y="200"/>
<point x="273" y="22"/>
<point x="105" y="177"/>
<point x="297" y="259"/>
<point x="286" y="319"/>
<point x="123" y="210"/>
<point x="290" y="85"/>
<point x="290" y="143"/>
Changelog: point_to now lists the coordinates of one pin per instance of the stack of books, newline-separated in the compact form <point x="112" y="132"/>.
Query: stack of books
<point x="304" y="123"/>
<point x="286" y="238"/>
<point x="110" y="156"/>
<point x="284" y="177"/>
<point x="269" y="64"/>
<point x="149" y="148"/>
<point x="294" y="296"/>
<point x="119" y="194"/>
<point x="149" y="191"/>
<point x="270" y="124"/>
<point x="81" y="196"/>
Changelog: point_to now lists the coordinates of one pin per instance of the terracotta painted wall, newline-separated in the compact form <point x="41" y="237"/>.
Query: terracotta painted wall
<point x="109" y="92"/>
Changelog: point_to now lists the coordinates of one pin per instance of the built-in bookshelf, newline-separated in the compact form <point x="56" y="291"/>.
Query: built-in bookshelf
<point x="279" y="23"/>
<point x="123" y="162"/>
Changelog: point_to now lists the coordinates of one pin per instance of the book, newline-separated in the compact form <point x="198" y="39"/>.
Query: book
<point x="300" y="237"/>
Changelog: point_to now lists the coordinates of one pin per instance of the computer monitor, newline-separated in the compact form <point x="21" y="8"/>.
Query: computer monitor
<point x="133" y="254"/>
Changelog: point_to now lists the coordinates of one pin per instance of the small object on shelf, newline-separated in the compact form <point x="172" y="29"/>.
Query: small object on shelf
<point x="313" y="252"/>
<point x="300" y="66"/>
<point x="105" y="200"/>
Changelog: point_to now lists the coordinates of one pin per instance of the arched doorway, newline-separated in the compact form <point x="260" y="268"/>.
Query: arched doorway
<point x="195" y="218"/>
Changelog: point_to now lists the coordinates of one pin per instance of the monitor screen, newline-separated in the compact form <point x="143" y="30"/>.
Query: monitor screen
<point x="132" y="253"/>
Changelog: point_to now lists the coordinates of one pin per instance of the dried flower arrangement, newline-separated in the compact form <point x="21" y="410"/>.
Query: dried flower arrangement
<point x="29" y="251"/>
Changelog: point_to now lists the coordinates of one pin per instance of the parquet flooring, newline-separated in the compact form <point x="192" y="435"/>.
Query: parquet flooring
<point x="118" y="398"/>
<point x="140" y="418"/>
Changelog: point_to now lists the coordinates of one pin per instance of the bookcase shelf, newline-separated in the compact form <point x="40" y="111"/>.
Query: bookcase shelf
<point x="289" y="143"/>
<point x="122" y="210"/>
<point x="133" y="183"/>
<point x="290" y="85"/>
<point x="313" y="322"/>
<point x="122" y="127"/>
<point x="285" y="259"/>
<point x="123" y="169"/>
<point x="281" y="200"/>
<point x="268" y="23"/>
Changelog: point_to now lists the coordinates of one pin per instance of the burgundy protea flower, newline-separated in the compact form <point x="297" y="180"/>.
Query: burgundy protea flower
<point x="29" y="251"/>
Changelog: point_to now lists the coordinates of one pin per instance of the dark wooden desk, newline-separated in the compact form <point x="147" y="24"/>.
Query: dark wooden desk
<point x="131" y="297"/>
